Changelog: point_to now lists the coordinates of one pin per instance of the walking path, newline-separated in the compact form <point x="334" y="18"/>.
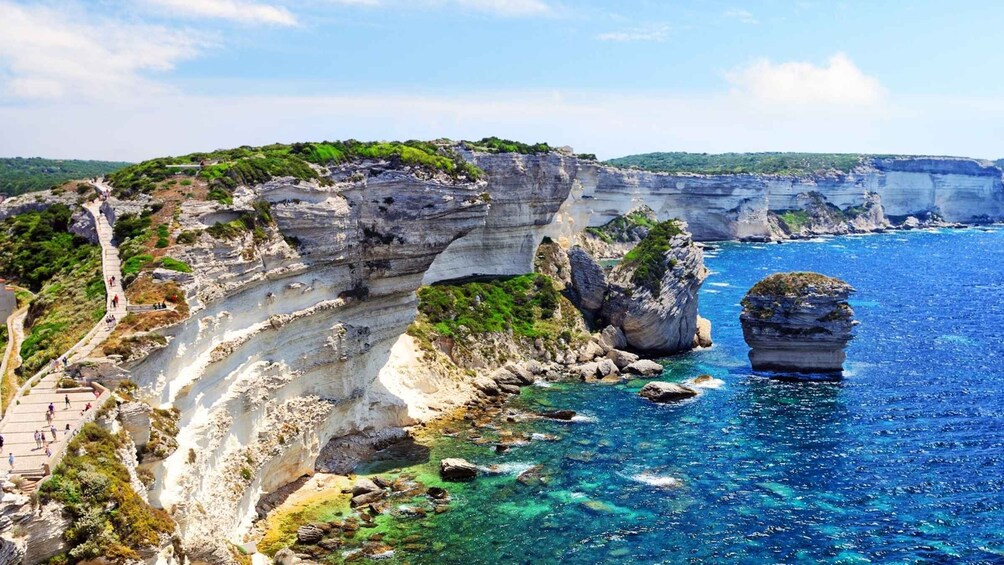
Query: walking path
<point x="27" y="413"/>
<point x="12" y="355"/>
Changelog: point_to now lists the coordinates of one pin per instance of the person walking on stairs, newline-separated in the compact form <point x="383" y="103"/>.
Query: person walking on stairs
<point x="1" y="442"/>
<point x="38" y="441"/>
<point x="52" y="429"/>
<point x="66" y="401"/>
<point x="10" y="460"/>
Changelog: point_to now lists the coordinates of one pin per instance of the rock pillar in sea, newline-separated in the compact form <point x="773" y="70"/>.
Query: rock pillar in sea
<point x="798" y="322"/>
<point x="652" y="294"/>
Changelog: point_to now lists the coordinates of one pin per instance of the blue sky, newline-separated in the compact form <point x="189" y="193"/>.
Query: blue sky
<point x="121" y="79"/>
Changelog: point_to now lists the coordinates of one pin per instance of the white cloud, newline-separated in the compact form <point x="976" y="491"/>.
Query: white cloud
<point x="243" y="11"/>
<point x="507" y="7"/>
<point x="606" y="123"/>
<point x="657" y="33"/>
<point x="741" y="15"/>
<point x="52" y="53"/>
<point x="839" y="82"/>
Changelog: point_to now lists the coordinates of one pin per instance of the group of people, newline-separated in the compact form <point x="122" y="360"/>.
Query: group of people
<point x="160" y="305"/>
<point x="41" y="440"/>
<point x="59" y="363"/>
<point x="110" y="319"/>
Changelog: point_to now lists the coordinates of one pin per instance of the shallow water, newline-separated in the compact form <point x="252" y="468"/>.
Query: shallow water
<point x="901" y="461"/>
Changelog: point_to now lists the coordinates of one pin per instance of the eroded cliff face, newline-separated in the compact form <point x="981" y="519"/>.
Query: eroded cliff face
<point x="724" y="207"/>
<point x="298" y="336"/>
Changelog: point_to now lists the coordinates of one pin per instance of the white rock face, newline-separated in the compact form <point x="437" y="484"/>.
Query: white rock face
<point x="719" y="207"/>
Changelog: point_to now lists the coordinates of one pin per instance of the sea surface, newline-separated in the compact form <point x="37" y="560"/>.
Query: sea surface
<point x="901" y="461"/>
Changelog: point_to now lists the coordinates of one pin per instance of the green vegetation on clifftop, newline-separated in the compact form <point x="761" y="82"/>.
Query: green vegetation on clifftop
<point x="19" y="175"/>
<point x="797" y="283"/>
<point x="225" y="169"/>
<point x="37" y="250"/>
<point x="648" y="258"/>
<point x="797" y="164"/>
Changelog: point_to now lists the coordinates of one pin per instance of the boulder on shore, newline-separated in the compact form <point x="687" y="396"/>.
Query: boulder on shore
<point x="798" y="322"/>
<point x="456" y="469"/>
<point x="666" y="392"/>
<point x="644" y="367"/>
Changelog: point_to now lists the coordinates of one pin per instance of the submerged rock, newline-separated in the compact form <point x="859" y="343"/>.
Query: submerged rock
<point x="559" y="414"/>
<point x="456" y="469"/>
<point x="798" y="322"/>
<point x="666" y="392"/>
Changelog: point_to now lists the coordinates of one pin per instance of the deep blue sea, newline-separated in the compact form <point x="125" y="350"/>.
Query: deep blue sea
<point x="901" y="461"/>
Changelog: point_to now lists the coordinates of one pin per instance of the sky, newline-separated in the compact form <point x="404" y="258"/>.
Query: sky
<point x="136" y="79"/>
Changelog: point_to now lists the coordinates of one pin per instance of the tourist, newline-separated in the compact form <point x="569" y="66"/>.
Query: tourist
<point x="97" y="393"/>
<point x="115" y="301"/>
<point x="53" y="430"/>
<point x="48" y="417"/>
<point x="52" y="408"/>
<point x="10" y="460"/>
<point x="88" y="407"/>
<point x="1" y="442"/>
<point x="48" y="452"/>
<point x="66" y="401"/>
<point x="67" y="429"/>
<point x="38" y="440"/>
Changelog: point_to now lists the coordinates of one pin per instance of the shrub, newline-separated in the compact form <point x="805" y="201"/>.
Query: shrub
<point x="648" y="258"/>
<point x="187" y="237"/>
<point x="108" y="518"/>
<point x="175" y="265"/>
<point x="515" y="303"/>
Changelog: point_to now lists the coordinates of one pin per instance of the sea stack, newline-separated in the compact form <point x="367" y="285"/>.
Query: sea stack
<point x="798" y="322"/>
<point x="652" y="293"/>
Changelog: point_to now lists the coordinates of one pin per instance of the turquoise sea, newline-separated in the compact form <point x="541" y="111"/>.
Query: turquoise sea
<point x="901" y="461"/>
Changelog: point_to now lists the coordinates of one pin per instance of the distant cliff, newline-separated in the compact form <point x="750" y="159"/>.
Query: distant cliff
<point x="748" y="206"/>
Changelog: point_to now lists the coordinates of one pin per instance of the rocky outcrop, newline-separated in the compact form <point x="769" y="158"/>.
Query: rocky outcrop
<point x="798" y="322"/>
<point x="135" y="418"/>
<point x="652" y="293"/>
<point x="589" y="283"/>
<point x="666" y="392"/>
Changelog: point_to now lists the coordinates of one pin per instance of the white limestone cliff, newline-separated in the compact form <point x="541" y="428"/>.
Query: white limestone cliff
<point x="299" y="338"/>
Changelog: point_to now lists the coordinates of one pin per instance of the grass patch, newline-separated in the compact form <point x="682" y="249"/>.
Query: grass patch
<point x="517" y="304"/>
<point x="108" y="518"/>
<point x="794" y="220"/>
<point x="173" y="264"/>
<point x="795" y="284"/>
<point x="648" y="258"/>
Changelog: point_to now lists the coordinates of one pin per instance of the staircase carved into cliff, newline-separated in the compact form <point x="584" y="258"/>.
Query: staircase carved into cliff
<point x="27" y="411"/>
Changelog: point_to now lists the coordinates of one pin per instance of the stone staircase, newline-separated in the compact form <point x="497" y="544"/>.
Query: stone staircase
<point x="27" y="411"/>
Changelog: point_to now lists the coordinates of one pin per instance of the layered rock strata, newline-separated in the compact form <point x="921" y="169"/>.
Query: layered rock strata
<point x="798" y="322"/>
<point x="652" y="294"/>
